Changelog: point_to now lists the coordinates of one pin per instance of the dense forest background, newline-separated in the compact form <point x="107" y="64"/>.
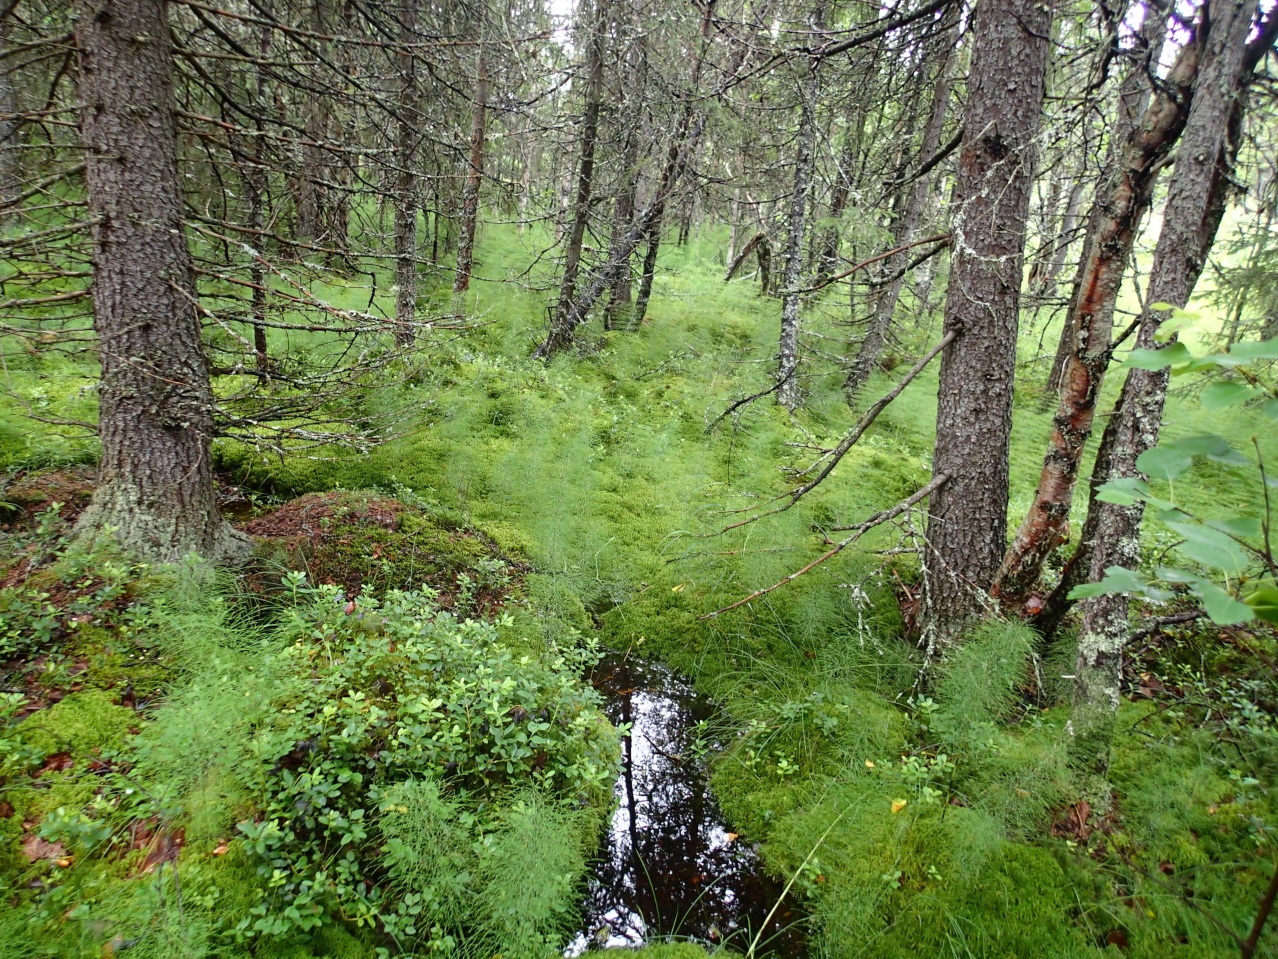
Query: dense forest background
<point x="902" y="374"/>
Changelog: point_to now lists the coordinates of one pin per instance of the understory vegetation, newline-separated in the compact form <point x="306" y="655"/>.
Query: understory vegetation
<point x="377" y="741"/>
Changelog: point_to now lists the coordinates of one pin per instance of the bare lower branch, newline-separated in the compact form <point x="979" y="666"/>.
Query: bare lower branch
<point x="937" y="238"/>
<point x="878" y="519"/>
<point x="853" y="435"/>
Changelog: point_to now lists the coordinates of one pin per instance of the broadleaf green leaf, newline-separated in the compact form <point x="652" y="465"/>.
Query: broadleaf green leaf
<point x="1223" y="395"/>
<point x="1158" y="359"/>
<point x="1212" y="445"/>
<point x="1264" y="602"/>
<point x="1164" y="461"/>
<point x="1211" y="548"/>
<point x="1254" y="350"/>
<point x="1170" y="574"/>
<point x="1119" y="579"/>
<point x="1240" y="526"/>
<point x="1223" y="609"/>
<point x="1127" y="491"/>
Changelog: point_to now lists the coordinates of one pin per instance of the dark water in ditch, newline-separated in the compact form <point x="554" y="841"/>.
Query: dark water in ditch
<point x="668" y="867"/>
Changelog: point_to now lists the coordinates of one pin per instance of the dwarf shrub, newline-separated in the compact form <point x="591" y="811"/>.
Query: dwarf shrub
<point x="380" y="702"/>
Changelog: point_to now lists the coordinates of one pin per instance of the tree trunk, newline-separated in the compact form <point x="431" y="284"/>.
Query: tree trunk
<point x="691" y="125"/>
<point x="910" y="218"/>
<point x="828" y="259"/>
<point x="1122" y="202"/>
<point x="1196" y="201"/>
<point x="256" y="183"/>
<point x="310" y="190"/>
<point x="406" y="198"/>
<point x="1046" y="285"/>
<point x="337" y="205"/>
<point x="155" y="479"/>
<point x="788" y="393"/>
<point x="1133" y="105"/>
<point x="967" y="527"/>
<point x="618" y="313"/>
<point x="10" y="127"/>
<point x="647" y="273"/>
<point x="586" y="165"/>
<point x="437" y="198"/>
<point x="474" y="173"/>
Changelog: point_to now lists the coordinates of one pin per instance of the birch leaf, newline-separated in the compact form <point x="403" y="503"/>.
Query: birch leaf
<point x="1223" y="609"/>
<point x="1221" y="396"/>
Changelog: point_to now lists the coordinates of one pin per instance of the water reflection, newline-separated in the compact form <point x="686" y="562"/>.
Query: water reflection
<point x="668" y="866"/>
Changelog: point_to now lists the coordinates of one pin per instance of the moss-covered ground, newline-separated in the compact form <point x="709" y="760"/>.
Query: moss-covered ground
<point x="588" y="493"/>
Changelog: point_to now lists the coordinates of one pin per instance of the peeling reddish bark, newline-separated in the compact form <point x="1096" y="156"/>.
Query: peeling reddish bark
<point x="1091" y="317"/>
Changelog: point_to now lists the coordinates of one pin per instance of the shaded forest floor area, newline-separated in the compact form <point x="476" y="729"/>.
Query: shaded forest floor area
<point x="585" y="498"/>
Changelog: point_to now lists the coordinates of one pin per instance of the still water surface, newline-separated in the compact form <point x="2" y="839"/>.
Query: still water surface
<point x="668" y="866"/>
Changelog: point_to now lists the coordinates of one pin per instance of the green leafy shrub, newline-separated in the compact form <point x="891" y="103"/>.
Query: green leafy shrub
<point x="386" y="707"/>
<point x="1227" y="562"/>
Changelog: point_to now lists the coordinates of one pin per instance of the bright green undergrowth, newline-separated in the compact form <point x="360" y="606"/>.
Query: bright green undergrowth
<point x="321" y="777"/>
<point x="913" y="821"/>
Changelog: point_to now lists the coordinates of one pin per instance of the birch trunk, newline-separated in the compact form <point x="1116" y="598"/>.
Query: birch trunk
<point x="1122" y="203"/>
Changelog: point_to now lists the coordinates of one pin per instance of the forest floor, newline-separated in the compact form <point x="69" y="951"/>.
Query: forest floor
<point x="589" y="495"/>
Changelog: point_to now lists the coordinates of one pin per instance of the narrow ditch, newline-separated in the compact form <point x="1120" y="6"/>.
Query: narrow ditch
<point x="668" y="867"/>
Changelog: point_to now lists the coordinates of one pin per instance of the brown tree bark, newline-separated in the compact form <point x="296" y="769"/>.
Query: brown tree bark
<point x="907" y="225"/>
<point x="155" y="479"/>
<point x="1122" y="203"/>
<point x="586" y="164"/>
<point x="1133" y="106"/>
<point x="1196" y="200"/>
<point x="474" y="173"/>
<point x="1109" y="461"/>
<point x="967" y="527"/>
<point x="762" y="249"/>
<point x="647" y="272"/>
<point x="618" y="313"/>
<point x="406" y="192"/>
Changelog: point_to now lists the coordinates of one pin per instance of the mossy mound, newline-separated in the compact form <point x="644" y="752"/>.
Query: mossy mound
<point x="367" y="541"/>
<point x="83" y="725"/>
